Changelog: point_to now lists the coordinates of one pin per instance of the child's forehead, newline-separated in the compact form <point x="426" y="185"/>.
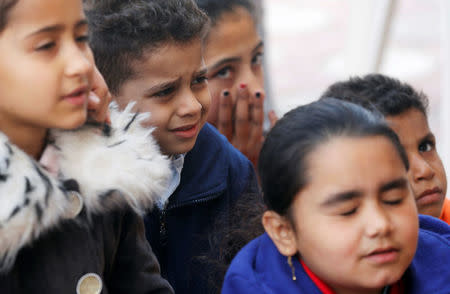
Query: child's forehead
<point x="34" y="14"/>
<point x="410" y="118"/>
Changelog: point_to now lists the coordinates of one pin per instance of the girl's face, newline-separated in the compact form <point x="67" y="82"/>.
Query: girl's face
<point x="355" y="222"/>
<point x="45" y="66"/>
<point x="233" y="56"/>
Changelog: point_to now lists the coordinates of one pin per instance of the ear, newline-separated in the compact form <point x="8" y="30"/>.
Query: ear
<point x="281" y="232"/>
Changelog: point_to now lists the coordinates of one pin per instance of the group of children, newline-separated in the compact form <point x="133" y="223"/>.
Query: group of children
<point x="128" y="200"/>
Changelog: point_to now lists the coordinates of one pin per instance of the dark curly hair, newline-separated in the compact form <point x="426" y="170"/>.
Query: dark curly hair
<point x="5" y="8"/>
<point x="388" y="95"/>
<point x="216" y="8"/>
<point x="122" y="31"/>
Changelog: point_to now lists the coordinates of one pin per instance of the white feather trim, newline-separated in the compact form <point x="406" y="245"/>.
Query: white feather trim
<point x="126" y="161"/>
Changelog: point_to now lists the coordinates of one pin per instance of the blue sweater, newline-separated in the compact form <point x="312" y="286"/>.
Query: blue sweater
<point x="260" y="268"/>
<point x="214" y="175"/>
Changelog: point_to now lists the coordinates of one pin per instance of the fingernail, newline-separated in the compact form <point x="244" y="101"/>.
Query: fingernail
<point x="226" y="93"/>
<point x="242" y="86"/>
<point x="94" y="98"/>
<point x="258" y="95"/>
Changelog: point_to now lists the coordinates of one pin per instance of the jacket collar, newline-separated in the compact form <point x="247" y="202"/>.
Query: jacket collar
<point x="114" y="166"/>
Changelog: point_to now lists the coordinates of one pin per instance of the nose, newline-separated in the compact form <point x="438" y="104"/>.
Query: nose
<point x="378" y="222"/>
<point x="79" y="62"/>
<point x="420" y="169"/>
<point x="190" y="105"/>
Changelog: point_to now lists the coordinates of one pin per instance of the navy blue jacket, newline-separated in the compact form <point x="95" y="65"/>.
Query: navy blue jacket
<point x="214" y="175"/>
<point x="260" y="268"/>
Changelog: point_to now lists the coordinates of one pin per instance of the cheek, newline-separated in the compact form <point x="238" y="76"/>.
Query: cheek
<point x="204" y="98"/>
<point x="407" y="224"/>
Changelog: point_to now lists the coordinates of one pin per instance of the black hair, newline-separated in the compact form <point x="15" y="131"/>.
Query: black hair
<point x="5" y="8"/>
<point x="283" y="162"/>
<point x="388" y="95"/>
<point x="232" y="230"/>
<point x="121" y="31"/>
<point x="216" y="8"/>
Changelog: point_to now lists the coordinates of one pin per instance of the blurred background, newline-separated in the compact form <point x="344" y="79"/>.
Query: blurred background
<point x="312" y="43"/>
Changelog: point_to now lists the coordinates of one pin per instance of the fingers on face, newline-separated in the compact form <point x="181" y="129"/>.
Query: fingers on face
<point x="225" y="114"/>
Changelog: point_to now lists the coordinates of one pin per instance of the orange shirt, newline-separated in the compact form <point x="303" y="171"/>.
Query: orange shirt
<point x="445" y="215"/>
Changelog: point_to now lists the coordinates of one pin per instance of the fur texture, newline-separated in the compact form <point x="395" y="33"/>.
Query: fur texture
<point x="113" y="166"/>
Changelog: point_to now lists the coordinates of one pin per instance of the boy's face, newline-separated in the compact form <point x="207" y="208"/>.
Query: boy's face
<point x="46" y="66"/>
<point x="170" y="83"/>
<point x="356" y="224"/>
<point x="426" y="173"/>
<point x="233" y="55"/>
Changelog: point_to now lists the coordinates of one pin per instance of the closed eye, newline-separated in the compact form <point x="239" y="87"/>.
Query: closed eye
<point x="82" y="39"/>
<point x="349" y="212"/>
<point x="46" y="46"/>
<point x="393" y="202"/>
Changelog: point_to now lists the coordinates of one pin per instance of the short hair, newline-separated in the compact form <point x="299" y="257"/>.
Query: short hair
<point x="121" y="31"/>
<point x="5" y="9"/>
<point x="283" y="161"/>
<point x="388" y="95"/>
<point x="216" y="8"/>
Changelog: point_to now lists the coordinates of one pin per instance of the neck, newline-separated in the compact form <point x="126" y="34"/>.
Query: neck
<point x="29" y="139"/>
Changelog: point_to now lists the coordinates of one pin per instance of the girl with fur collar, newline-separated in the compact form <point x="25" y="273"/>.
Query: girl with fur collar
<point x="70" y="192"/>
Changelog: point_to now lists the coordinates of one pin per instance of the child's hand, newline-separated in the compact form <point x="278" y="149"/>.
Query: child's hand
<point x="99" y="99"/>
<point x="242" y="123"/>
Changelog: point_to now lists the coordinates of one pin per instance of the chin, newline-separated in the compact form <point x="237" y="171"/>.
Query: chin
<point x="72" y="122"/>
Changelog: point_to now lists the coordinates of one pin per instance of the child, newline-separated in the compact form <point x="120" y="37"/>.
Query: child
<point x="405" y="110"/>
<point x="149" y="51"/>
<point x="341" y="215"/>
<point x="233" y="55"/>
<point x="72" y="231"/>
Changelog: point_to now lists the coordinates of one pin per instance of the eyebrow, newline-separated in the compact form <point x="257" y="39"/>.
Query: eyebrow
<point x="201" y="72"/>
<point x="341" y="197"/>
<point x="234" y="59"/>
<point x="430" y="136"/>
<point x="225" y="61"/>
<point x="159" y="87"/>
<point x="395" y="184"/>
<point x="56" y="28"/>
<point x="337" y="198"/>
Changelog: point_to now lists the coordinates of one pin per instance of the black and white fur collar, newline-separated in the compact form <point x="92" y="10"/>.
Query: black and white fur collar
<point x="114" y="167"/>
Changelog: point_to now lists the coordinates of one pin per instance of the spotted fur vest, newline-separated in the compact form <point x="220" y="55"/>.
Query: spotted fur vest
<point x="113" y="166"/>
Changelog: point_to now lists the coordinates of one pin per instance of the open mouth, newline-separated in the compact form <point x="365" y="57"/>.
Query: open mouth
<point x="187" y="131"/>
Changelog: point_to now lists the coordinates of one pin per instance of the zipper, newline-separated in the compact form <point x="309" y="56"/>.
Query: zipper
<point x="163" y="233"/>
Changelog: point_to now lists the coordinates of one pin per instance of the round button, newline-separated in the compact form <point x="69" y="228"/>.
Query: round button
<point x="89" y="284"/>
<point x="75" y="204"/>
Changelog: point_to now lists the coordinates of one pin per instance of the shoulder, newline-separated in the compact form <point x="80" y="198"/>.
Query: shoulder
<point x="434" y="229"/>
<point x="241" y="276"/>
<point x="215" y="156"/>
<point x="445" y="215"/>
<point x="217" y="145"/>
<point x="428" y="272"/>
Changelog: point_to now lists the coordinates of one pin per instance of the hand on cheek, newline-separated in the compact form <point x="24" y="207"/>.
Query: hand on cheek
<point x="99" y="99"/>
